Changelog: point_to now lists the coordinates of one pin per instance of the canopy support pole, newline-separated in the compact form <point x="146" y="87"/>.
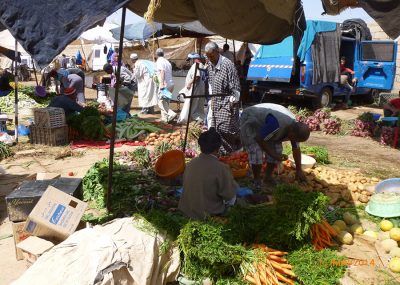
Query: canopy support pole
<point x="16" y="91"/>
<point x="115" y="109"/>
<point x="234" y="53"/>
<point x="190" y="106"/>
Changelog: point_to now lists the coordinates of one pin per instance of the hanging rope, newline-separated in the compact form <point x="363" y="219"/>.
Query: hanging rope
<point x="151" y="9"/>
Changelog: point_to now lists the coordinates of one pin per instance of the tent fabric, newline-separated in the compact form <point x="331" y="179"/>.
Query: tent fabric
<point x="313" y="27"/>
<point x="326" y="54"/>
<point x="256" y="21"/>
<point x="45" y="36"/>
<point x="8" y="41"/>
<point x="139" y="31"/>
<point x="386" y="14"/>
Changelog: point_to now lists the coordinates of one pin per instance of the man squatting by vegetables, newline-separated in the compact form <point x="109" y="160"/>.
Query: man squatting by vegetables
<point x="263" y="128"/>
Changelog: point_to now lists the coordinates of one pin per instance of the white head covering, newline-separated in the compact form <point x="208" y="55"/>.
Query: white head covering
<point x="134" y="56"/>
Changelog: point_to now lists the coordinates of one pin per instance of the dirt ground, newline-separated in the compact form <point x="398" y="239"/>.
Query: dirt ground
<point x="345" y="152"/>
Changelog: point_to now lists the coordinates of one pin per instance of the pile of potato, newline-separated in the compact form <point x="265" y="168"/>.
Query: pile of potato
<point x="344" y="187"/>
<point x="172" y="138"/>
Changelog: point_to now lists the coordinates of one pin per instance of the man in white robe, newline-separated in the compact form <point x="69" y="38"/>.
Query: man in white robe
<point x="143" y="71"/>
<point x="200" y="89"/>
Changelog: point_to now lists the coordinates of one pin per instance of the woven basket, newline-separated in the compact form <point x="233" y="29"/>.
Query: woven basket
<point x="48" y="136"/>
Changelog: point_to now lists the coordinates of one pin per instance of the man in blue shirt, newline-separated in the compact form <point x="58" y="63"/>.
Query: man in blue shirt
<point x="67" y="101"/>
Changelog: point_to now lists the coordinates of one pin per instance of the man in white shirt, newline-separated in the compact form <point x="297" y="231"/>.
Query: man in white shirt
<point x="164" y="73"/>
<point x="225" y="52"/>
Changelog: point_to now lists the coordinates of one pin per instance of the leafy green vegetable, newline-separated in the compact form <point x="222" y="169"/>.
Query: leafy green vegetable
<point x="93" y="128"/>
<point x="321" y="153"/>
<point x="317" y="267"/>
<point x="142" y="158"/>
<point x="5" y="151"/>
<point x="206" y="254"/>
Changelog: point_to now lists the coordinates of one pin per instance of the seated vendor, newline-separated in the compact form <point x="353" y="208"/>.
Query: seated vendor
<point x="209" y="187"/>
<point x="67" y="101"/>
<point x="5" y="87"/>
<point x="392" y="109"/>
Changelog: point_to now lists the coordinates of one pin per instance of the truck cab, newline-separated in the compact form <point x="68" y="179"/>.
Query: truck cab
<point x="312" y="71"/>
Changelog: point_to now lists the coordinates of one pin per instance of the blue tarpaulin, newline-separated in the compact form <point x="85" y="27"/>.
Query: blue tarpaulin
<point x="313" y="27"/>
<point x="284" y="48"/>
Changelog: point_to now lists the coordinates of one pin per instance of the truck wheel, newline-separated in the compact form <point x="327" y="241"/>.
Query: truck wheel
<point x="373" y="97"/>
<point x="323" y="100"/>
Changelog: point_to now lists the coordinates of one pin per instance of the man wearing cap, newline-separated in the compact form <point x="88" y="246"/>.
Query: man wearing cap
<point x="67" y="101"/>
<point x="143" y="71"/>
<point x="164" y="74"/>
<point x="263" y="128"/>
<point x="70" y="78"/>
<point x="200" y="89"/>
<point x="223" y="111"/>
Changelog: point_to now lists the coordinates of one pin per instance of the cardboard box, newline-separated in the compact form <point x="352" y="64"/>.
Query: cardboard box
<point x="33" y="247"/>
<point x="55" y="216"/>
<point x="47" y="175"/>
<point x="21" y="201"/>
<point x="19" y="235"/>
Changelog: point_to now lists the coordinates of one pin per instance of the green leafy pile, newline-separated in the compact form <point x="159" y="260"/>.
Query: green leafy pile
<point x="316" y="267"/>
<point x="207" y="254"/>
<point x="321" y="153"/>
<point x="27" y="99"/>
<point x="5" y="151"/>
<point x="88" y="123"/>
<point x="141" y="156"/>
<point x="132" y="191"/>
<point x="366" y="117"/>
<point x="284" y="225"/>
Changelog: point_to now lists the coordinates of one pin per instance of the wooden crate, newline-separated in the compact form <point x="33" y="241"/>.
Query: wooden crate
<point x="49" y="117"/>
<point x="49" y="136"/>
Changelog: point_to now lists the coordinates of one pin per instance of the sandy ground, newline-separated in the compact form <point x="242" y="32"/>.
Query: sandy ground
<point x="345" y="151"/>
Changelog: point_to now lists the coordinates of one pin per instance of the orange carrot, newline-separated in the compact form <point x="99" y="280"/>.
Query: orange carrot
<point x="277" y="258"/>
<point x="279" y="268"/>
<point x="284" y="279"/>
<point x="250" y="279"/>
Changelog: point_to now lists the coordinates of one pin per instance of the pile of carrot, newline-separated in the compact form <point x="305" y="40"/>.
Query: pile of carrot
<point x="274" y="270"/>
<point x="322" y="234"/>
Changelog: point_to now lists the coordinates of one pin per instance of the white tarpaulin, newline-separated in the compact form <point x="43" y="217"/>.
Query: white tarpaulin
<point x="8" y="41"/>
<point x="115" y="253"/>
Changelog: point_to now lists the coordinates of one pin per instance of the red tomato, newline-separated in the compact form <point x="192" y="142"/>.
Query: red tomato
<point x="70" y="173"/>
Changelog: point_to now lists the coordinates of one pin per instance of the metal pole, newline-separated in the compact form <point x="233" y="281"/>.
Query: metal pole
<point x="16" y="91"/>
<point x="234" y="52"/>
<point x="115" y="109"/>
<point x="190" y="105"/>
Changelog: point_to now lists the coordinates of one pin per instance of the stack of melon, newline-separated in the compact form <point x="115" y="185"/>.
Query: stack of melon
<point x="390" y="238"/>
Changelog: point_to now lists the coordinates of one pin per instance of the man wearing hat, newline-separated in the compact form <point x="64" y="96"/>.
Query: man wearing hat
<point x="199" y="80"/>
<point x="166" y="86"/>
<point x="143" y="71"/>
<point x="263" y="128"/>
<point x="67" y="101"/>
<point x="70" y="78"/>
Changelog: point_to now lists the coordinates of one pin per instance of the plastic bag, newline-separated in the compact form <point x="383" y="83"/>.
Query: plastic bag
<point x="6" y="138"/>
<point x="165" y="94"/>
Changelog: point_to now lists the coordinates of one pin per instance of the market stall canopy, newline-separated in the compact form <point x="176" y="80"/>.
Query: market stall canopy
<point x="100" y="34"/>
<point x="139" y="31"/>
<point x="384" y="12"/>
<point x="256" y="21"/>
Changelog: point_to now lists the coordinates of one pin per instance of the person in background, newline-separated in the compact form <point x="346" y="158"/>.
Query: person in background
<point x="164" y="73"/>
<point x="392" y="109"/>
<point x="5" y="87"/>
<point x="64" y="61"/>
<point x="127" y="83"/>
<point x="143" y="71"/>
<point x="68" y="78"/>
<point x="223" y="112"/>
<point x="263" y="128"/>
<point x="345" y="73"/>
<point x="200" y="89"/>
<point x="67" y="101"/>
<point x="228" y="54"/>
<point x="208" y="185"/>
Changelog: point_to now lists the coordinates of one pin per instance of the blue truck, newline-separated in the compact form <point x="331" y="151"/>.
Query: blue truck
<point x="311" y="69"/>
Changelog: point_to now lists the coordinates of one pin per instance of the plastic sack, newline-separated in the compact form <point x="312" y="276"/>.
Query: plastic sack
<point x="165" y="94"/>
<point x="6" y="138"/>
<point x="23" y="130"/>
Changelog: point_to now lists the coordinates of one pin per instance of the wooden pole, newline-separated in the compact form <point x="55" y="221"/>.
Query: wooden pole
<point x="190" y="106"/>
<point x="115" y="109"/>
<point x="16" y="91"/>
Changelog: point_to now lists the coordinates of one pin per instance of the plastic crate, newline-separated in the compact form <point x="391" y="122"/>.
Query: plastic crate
<point x="49" y="117"/>
<point x="49" y="136"/>
<point x="384" y="98"/>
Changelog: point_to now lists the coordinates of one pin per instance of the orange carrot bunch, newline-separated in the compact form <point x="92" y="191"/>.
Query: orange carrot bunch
<point x="273" y="270"/>
<point x="322" y="235"/>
